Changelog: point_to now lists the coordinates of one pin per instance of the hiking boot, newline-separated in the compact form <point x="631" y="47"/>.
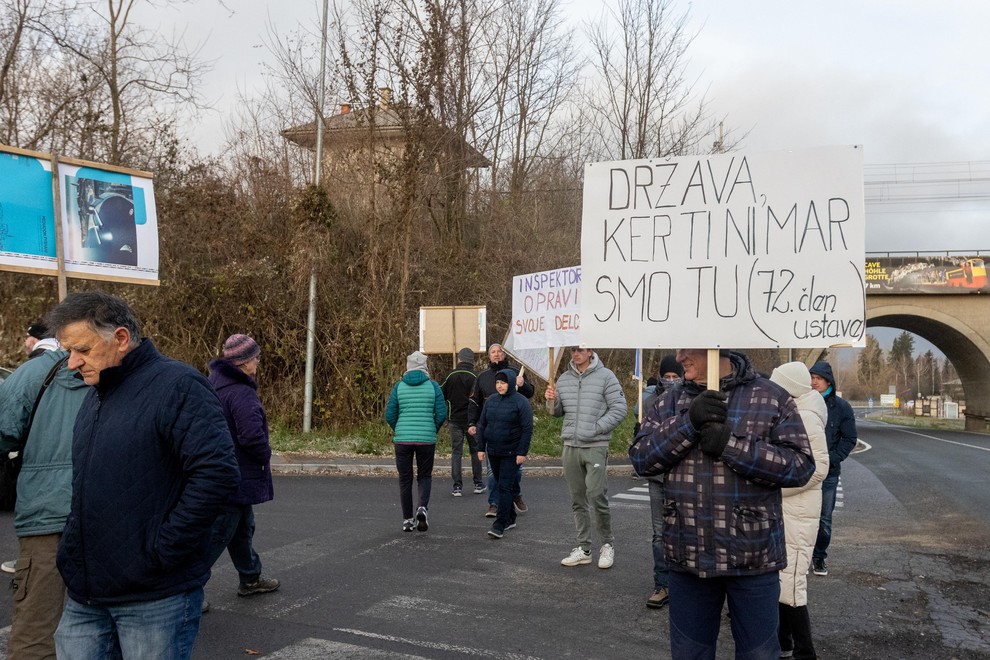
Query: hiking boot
<point x="456" y="492"/>
<point x="495" y="533"/>
<point x="9" y="566"/>
<point x="819" y="566"/>
<point x="422" y="521"/>
<point x="408" y="524"/>
<point x="519" y="504"/>
<point x="480" y="488"/>
<point x="658" y="598"/>
<point x="260" y="586"/>
<point x="492" y="511"/>
<point x="607" y="556"/>
<point x="576" y="558"/>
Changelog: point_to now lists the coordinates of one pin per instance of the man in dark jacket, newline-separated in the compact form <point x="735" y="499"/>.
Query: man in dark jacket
<point x="485" y="387"/>
<point x="232" y="376"/>
<point x="840" y="431"/>
<point x="456" y="388"/>
<point x="153" y="463"/>
<point x="726" y="454"/>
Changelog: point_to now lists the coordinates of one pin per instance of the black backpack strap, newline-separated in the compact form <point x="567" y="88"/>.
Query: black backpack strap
<point x="44" y="386"/>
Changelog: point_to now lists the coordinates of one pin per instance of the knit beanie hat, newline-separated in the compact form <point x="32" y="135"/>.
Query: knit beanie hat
<point x="38" y="330"/>
<point x="417" y="362"/>
<point x="793" y="377"/>
<point x="502" y="376"/>
<point x="240" y="349"/>
<point x="465" y="355"/>
<point x="669" y="364"/>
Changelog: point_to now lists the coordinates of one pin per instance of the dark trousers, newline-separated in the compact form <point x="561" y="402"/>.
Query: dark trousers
<point x="696" y="614"/>
<point x="424" y="474"/>
<point x="457" y="438"/>
<point x="505" y="470"/>
<point x="233" y="530"/>
<point x="795" y="632"/>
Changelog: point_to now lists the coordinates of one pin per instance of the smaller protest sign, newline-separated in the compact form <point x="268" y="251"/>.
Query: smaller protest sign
<point x="546" y="310"/>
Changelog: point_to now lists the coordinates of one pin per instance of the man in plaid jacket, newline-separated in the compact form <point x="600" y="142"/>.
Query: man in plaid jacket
<point x="726" y="454"/>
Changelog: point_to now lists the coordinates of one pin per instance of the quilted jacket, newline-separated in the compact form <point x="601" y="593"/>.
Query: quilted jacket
<point x="44" y="486"/>
<point x="416" y="409"/>
<point x="722" y="516"/>
<point x="803" y="506"/>
<point x="484" y="387"/>
<point x="592" y="404"/>
<point x="153" y="464"/>
<point x="505" y="427"/>
<point x="248" y="426"/>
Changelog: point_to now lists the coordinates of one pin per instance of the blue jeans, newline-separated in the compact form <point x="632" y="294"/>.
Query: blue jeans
<point x="696" y="614"/>
<point x="457" y="437"/>
<point x="493" y="485"/>
<point x="164" y="628"/>
<point x="424" y="474"/>
<point x="233" y="530"/>
<point x="656" y="516"/>
<point x="505" y="470"/>
<point x="830" y="486"/>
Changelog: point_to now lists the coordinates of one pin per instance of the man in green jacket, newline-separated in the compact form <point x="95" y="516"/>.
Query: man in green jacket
<point x="44" y="491"/>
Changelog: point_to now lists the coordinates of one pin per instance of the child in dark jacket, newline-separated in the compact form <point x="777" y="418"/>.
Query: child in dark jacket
<point x="504" y="431"/>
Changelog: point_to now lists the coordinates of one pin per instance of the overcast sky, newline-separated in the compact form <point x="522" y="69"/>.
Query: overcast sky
<point x="907" y="79"/>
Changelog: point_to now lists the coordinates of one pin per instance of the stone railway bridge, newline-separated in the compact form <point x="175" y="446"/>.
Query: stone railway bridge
<point x="958" y="324"/>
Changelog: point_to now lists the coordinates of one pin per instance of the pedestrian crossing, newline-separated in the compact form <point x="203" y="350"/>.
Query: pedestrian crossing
<point x="642" y="494"/>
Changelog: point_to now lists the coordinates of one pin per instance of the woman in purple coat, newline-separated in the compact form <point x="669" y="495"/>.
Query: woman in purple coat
<point x="232" y="376"/>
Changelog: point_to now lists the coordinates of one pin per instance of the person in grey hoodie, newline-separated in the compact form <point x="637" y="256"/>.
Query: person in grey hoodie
<point x="590" y="399"/>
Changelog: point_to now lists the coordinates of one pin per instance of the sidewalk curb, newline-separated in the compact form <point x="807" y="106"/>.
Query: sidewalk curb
<point x="320" y="467"/>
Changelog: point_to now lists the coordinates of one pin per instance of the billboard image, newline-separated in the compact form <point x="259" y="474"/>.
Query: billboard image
<point x="921" y="273"/>
<point x="109" y="221"/>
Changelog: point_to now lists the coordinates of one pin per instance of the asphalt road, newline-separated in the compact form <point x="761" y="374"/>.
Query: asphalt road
<point x="909" y="569"/>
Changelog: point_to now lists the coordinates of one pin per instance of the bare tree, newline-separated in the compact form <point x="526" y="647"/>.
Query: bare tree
<point x="640" y="103"/>
<point x="138" y="80"/>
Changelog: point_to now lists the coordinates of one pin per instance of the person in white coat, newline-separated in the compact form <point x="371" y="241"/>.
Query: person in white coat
<point x="802" y="509"/>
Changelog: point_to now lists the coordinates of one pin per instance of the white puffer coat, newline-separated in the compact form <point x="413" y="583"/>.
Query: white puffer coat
<point x="802" y="506"/>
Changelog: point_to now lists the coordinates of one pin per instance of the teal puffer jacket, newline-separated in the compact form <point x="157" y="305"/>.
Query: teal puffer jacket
<point x="416" y="409"/>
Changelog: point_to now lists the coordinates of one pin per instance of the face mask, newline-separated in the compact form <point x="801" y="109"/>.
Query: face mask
<point x="670" y="382"/>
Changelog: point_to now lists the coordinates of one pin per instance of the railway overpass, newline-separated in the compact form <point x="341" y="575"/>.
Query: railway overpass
<point x="957" y="323"/>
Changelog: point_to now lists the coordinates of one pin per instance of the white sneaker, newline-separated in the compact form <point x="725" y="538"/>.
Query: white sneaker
<point x="576" y="558"/>
<point x="607" y="556"/>
<point x="9" y="566"/>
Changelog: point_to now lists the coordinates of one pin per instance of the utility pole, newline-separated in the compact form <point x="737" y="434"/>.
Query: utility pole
<point x="317" y="179"/>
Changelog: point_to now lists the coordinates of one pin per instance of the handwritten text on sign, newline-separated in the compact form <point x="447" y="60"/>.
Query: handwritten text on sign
<point x="746" y="250"/>
<point x="545" y="308"/>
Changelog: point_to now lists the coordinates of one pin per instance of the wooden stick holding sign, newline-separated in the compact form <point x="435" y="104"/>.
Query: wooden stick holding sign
<point x="639" y="371"/>
<point x="713" y="370"/>
<point x="553" y="371"/>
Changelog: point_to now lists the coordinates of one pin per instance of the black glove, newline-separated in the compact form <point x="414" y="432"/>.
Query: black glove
<point x="708" y="407"/>
<point x="713" y="438"/>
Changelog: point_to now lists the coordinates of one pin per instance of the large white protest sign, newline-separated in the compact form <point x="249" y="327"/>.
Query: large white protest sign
<point x="545" y="308"/>
<point x="760" y="250"/>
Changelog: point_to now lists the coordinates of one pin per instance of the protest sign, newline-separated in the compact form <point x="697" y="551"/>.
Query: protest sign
<point x="761" y="250"/>
<point x="536" y="360"/>
<point x="448" y="329"/>
<point x="546" y="310"/>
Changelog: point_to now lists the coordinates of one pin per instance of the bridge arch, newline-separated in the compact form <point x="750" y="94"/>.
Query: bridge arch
<point x="959" y="325"/>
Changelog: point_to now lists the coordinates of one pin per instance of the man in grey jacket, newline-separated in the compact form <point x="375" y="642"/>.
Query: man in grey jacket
<point x="590" y="398"/>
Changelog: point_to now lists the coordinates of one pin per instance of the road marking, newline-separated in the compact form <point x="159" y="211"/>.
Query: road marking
<point x="951" y="442"/>
<point x="438" y="646"/>
<point x="631" y="496"/>
<point x="317" y="649"/>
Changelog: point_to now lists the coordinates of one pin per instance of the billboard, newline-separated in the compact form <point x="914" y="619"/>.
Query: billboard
<point x="926" y="273"/>
<point x="109" y="222"/>
<point x="760" y="250"/>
